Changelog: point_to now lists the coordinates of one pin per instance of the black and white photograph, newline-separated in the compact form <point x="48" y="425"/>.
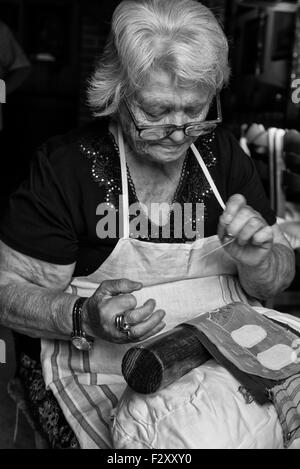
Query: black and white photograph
<point x="149" y="227"/>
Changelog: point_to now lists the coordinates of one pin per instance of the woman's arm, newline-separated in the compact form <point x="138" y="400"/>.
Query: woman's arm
<point x="33" y="302"/>
<point x="32" y="298"/>
<point x="274" y="274"/>
<point x="264" y="258"/>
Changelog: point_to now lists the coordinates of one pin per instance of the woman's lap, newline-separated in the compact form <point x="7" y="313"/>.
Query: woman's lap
<point x="89" y="409"/>
<point x="92" y="410"/>
<point x="205" y="409"/>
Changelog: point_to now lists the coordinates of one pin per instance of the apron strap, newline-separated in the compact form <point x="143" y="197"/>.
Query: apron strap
<point x="208" y="176"/>
<point x="125" y="197"/>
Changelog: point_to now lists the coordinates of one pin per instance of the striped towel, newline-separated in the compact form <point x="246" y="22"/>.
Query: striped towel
<point x="286" y="399"/>
<point x="87" y="406"/>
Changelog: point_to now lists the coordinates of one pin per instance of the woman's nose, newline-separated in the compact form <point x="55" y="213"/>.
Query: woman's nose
<point x="178" y="136"/>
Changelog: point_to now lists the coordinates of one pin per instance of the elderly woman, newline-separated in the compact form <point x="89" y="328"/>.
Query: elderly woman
<point x="86" y="264"/>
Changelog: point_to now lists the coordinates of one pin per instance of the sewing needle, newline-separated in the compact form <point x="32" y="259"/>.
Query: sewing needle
<point x="219" y="247"/>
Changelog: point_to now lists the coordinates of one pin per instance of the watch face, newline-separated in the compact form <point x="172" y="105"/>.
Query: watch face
<point x="81" y="343"/>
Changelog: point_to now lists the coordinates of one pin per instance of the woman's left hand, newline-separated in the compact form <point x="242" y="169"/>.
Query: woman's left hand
<point x="253" y="236"/>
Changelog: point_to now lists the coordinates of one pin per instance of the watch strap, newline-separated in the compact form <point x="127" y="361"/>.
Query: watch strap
<point x="77" y="317"/>
<point x="78" y="332"/>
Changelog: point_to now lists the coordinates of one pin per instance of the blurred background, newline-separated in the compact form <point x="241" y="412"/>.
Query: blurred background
<point x="62" y="39"/>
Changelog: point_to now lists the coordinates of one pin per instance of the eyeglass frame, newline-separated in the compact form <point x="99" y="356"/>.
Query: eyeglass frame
<point x="173" y="126"/>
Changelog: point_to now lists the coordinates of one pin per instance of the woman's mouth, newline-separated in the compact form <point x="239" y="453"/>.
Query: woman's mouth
<point x="173" y="147"/>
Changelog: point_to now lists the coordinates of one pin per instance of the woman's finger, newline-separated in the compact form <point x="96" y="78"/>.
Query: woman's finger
<point x="118" y="286"/>
<point x="147" y="327"/>
<point x="241" y="218"/>
<point x="120" y="304"/>
<point x="264" y="236"/>
<point x="151" y="333"/>
<point x="233" y="205"/>
<point x="137" y="315"/>
<point x="251" y="226"/>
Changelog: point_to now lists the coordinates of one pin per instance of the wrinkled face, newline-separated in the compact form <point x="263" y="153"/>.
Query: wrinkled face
<point x="160" y="102"/>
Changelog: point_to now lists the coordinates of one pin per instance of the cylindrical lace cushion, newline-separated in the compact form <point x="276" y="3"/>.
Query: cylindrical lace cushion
<point x="163" y="359"/>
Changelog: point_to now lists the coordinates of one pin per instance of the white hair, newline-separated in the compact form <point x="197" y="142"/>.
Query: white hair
<point x="182" y="37"/>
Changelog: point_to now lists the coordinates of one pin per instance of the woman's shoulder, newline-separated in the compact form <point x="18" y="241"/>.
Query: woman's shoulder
<point x="220" y="149"/>
<point x="94" y="136"/>
<point x="81" y="164"/>
<point x="227" y="149"/>
<point x="81" y="155"/>
<point x="226" y="139"/>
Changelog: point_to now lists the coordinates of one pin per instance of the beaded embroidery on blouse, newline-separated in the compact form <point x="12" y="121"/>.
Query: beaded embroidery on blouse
<point x="192" y="188"/>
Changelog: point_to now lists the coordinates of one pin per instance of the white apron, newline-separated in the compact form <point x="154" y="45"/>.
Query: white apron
<point x="88" y="386"/>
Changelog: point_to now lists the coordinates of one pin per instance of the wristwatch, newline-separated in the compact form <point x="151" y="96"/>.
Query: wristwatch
<point x="80" y="340"/>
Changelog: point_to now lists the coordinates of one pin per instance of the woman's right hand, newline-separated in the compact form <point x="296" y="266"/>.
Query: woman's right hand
<point x="112" y="298"/>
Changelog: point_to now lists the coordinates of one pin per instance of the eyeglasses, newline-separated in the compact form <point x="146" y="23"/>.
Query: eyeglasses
<point x="191" y="129"/>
